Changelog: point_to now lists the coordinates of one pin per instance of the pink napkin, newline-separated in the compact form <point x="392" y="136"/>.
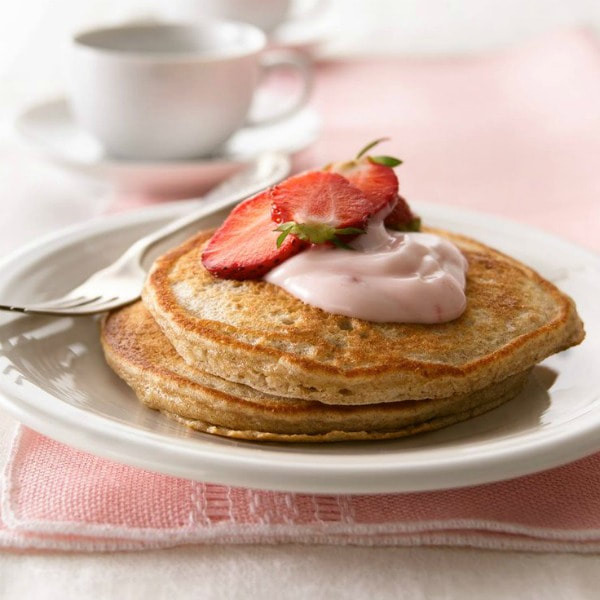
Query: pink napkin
<point x="59" y="498"/>
<point x="515" y="134"/>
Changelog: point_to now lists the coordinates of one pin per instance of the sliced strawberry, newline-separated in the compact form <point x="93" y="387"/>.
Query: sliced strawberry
<point x="318" y="206"/>
<point x="245" y="246"/>
<point x="374" y="175"/>
<point x="378" y="182"/>
<point x="402" y="218"/>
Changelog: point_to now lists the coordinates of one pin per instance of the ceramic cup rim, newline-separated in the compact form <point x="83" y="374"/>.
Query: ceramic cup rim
<point x="257" y="41"/>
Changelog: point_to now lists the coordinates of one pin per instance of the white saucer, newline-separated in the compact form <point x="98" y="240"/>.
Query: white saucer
<point x="50" y="129"/>
<point x="53" y="378"/>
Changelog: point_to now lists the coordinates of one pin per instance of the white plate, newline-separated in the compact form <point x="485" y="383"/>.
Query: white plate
<point x="53" y="378"/>
<point x="49" y="128"/>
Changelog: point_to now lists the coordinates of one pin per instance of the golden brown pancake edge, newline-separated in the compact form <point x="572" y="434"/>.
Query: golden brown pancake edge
<point x="138" y="352"/>
<point x="256" y="334"/>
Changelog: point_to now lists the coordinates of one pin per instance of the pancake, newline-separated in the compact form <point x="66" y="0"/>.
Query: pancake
<point x="256" y="334"/>
<point x="139" y="353"/>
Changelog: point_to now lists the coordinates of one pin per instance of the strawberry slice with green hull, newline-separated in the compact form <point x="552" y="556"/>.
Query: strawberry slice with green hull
<point x="402" y="218"/>
<point x="374" y="175"/>
<point x="318" y="206"/>
<point x="245" y="246"/>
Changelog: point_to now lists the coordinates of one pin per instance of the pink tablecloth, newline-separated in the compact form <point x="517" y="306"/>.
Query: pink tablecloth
<point x="517" y="134"/>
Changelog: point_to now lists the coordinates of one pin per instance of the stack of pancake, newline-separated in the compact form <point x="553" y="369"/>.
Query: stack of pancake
<point x="245" y="359"/>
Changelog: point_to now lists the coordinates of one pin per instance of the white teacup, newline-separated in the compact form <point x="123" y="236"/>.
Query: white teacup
<point x="169" y="91"/>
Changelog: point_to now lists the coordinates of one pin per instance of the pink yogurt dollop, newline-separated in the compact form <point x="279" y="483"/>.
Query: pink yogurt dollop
<point x="388" y="277"/>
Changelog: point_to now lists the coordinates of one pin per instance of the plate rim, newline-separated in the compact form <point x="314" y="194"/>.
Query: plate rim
<point x="303" y="474"/>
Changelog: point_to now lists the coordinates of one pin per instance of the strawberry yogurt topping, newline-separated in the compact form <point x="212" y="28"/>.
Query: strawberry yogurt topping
<point x="388" y="276"/>
<point x="326" y="237"/>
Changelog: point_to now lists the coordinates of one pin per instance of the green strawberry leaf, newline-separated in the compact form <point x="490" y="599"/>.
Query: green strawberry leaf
<point x="370" y="145"/>
<point x="339" y="244"/>
<point x="349" y="231"/>
<point x="286" y="229"/>
<point x="413" y="225"/>
<point x="386" y="161"/>
<point x="281" y="238"/>
<point x="315" y="233"/>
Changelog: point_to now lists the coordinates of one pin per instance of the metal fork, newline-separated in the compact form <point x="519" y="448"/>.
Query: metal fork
<point x="121" y="282"/>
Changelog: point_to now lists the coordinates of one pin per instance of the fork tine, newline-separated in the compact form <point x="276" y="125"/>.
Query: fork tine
<point x="36" y="311"/>
<point x="88" y="307"/>
<point x="65" y="304"/>
<point x="93" y="308"/>
<point x="58" y="302"/>
<point x="96" y="306"/>
<point x="107" y="301"/>
<point x="13" y="308"/>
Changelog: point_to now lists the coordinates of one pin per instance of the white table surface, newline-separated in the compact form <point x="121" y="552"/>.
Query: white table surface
<point x="37" y="198"/>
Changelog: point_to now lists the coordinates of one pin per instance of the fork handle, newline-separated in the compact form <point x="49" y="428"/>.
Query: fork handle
<point x="266" y="170"/>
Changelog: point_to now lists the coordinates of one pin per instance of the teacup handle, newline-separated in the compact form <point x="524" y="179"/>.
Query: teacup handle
<point x="277" y="59"/>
